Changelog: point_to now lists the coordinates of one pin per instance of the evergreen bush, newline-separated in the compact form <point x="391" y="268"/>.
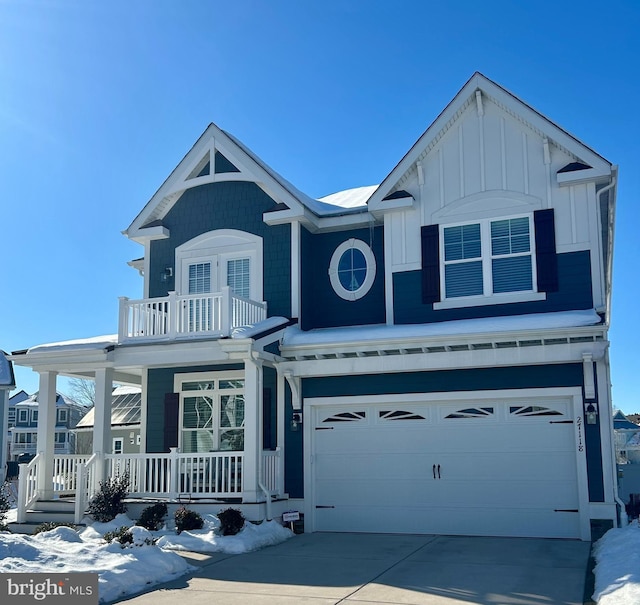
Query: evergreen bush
<point x="5" y="505"/>
<point x="49" y="525"/>
<point x="122" y="535"/>
<point x="187" y="519"/>
<point x="152" y="517"/>
<point x="108" y="502"/>
<point x="231" y="521"/>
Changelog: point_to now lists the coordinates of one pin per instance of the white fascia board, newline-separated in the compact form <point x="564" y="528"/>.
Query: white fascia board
<point x="168" y="354"/>
<point x="149" y="234"/>
<point x="429" y="362"/>
<point x="445" y="340"/>
<point x="315" y="224"/>
<point x="578" y="177"/>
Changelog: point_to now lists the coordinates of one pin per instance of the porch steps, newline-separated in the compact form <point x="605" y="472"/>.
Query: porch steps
<point x="59" y="511"/>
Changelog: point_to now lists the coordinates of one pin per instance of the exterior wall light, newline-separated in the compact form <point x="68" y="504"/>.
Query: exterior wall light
<point x="166" y="274"/>
<point x="296" y="421"/>
<point x="591" y="412"/>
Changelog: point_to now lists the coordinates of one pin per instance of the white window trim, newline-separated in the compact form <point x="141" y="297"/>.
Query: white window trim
<point x="63" y="416"/>
<point x="178" y="379"/>
<point x="23" y="415"/>
<point x="489" y="297"/>
<point x="219" y="247"/>
<point x="370" y="259"/>
<point x="113" y="446"/>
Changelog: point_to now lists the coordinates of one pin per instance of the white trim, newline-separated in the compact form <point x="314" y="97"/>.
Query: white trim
<point x="502" y="298"/>
<point x="370" y="275"/>
<point x="573" y="394"/>
<point x="295" y="269"/>
<point x="388" y="271"/>
<point x="113" y="445"/>
<point x="219" y="247"/>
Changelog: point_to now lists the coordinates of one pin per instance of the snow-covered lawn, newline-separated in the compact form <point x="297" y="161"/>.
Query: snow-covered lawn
<point x="129" y="570"/>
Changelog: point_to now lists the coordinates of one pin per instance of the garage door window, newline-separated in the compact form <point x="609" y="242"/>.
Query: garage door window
<point x="399" y="415"/>
<point x="472" y="413"/>
<point x="533" y="410"/>
<point x="346" y="417"/>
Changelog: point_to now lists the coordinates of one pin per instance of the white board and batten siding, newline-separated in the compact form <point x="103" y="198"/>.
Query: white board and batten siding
<point x="485" y="463"/>
<point x="491" y="165"/>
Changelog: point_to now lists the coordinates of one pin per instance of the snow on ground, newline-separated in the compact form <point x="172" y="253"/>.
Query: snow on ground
<point x="127" y="571"/>
<point x="617" y="570"/>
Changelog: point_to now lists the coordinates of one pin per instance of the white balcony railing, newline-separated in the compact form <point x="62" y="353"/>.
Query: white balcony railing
<point x="193" y="315"/>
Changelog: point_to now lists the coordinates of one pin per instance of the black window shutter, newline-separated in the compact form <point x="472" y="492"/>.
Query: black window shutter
<point x="430" y="264"/>
<point x="268" y="442"/>
<point x="171" y="411"/>
<point x="546" y="257"/>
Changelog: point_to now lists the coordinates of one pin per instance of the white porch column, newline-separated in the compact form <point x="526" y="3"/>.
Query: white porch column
<point x="252" y="430"/>
<point x="102" y="418"/>
<point x="46" y="433"/>
<point x="280" y="428"/>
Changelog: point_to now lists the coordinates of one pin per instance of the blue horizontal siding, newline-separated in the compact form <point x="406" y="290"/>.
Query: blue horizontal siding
<point x="574" y="292"/>
<point x="321" y="306"/>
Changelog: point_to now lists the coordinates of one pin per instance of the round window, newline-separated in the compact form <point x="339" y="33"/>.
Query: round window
<point x="352" y="269"/>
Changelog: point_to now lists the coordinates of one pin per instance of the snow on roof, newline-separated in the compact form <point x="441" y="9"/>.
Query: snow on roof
<point x="258" y="328"/>
<point x="293" y="336"/>
<point x="94" y="343"/>
<point x="6" y="372"/>
<point x="343" y="202"/>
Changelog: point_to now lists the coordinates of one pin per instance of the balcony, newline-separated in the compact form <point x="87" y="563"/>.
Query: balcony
<point x="173" y="317"/>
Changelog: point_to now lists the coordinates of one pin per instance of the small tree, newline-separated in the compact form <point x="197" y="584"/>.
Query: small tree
<point x="108" y="502"/>
<point x="152" y="517"/>
<point x="83" y="391"/>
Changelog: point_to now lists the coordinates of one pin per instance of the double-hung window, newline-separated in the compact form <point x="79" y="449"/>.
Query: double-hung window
<point x="488" y="257"/>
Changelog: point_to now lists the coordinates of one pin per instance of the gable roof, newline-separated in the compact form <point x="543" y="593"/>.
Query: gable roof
<point x="479" y="84"/>
<point x="199" y="167"/>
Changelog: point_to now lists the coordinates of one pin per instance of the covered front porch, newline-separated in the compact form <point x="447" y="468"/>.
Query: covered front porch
<point x="234" y="455"/>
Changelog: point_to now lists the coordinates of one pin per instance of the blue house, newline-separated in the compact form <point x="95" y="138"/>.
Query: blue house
<point x="426" y="355"/>
<point x="7" y="383"/>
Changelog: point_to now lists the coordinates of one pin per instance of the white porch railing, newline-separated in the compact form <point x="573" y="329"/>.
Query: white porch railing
<point x="65" y="470"/>
<point x="193" y="315"/>
<point x="205" y="475"/>
<point x="27" y="487"/>
<point x="271" y="471"/>
<point x="212" y="475"/>
<point x="86" y="485"/>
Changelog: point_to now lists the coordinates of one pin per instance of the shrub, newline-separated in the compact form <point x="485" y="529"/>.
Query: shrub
<point x="152" y="517"/>
<point x="5" y="505"/>
<point x="108" y="502"/>
<point x="187" y="519"/>
<point x="122" y="535"/>
<point x="49" y="525"/>
<point x="231" y="521"/>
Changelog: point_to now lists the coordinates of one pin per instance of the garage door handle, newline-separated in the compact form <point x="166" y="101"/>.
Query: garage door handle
<point x="438" y="471"/>
<point x="434" y="471"/>
<point x="436" y="467"/>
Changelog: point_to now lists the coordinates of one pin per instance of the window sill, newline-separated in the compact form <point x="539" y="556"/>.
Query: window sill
<point x="496" y="299"/>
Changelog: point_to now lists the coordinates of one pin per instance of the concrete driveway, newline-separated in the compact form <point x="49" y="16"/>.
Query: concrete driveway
<point x="366" y="569"/>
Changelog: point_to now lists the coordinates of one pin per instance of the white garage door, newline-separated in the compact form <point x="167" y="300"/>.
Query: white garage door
<point x="503" y="468"/>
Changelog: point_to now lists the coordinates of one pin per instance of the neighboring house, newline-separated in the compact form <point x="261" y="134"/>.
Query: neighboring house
<point x="125" y="423"/>
<point x="428" y="355"/>
<point x="627" y="446"/>
<point x="627" y="439"/>
<point x="7" y="383"/>
<point x="24" y="433"/>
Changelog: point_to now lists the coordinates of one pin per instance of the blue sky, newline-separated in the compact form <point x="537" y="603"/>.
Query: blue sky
<point x="99" y="101"/>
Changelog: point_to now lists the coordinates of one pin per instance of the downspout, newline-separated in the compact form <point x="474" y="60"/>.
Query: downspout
<point x="624" y="519"/>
